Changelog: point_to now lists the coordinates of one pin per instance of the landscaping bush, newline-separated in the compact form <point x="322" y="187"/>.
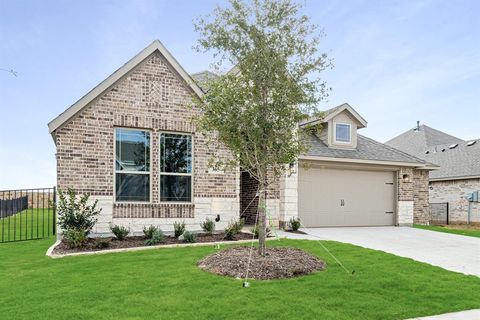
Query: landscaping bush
<point x="74" y="238"/>
<point x="148" y="232"/>
<point x="102" y="243"/>
<point x="208" y="226"/>
<point x="75" y="214"/>
<point x="179" y="228"/>
<point x="189" y="237"/>
<point x="233" y="228"/>
<point x="295" y="224"/>
<point x="157" y="237"/>
<point x="255" y="231"/>
<point x="120" y="232"/>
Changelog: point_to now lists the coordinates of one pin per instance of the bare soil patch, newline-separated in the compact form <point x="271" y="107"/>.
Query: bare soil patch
<point x="132" y="242"/>
<point x="278" y="263"/>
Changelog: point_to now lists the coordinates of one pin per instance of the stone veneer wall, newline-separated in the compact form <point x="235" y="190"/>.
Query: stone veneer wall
<point x="150" y="97"/>
<point x="405" y="208"/>
<point x="455" y="192"/>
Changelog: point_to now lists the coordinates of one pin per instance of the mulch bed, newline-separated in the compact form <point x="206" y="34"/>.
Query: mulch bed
<point x="132" y="242"/>
<point x="278" y="263"/>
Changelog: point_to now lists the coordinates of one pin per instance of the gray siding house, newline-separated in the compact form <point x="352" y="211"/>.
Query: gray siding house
<point x="458" y="174"/>
<point x="131" y="144"/>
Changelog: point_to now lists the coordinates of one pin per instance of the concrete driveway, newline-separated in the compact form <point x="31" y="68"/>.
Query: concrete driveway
<point x="449" y="251"/>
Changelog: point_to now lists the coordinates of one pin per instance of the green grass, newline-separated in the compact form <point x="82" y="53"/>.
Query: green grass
<point x="167" y="284"/>
<point x="27" y="224"/>
<point x="455" y="229"/>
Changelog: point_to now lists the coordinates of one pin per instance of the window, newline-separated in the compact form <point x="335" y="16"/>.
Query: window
<point x="175" y="167"/>
<point x="342" y="132"/>
<point x="132" y="165"/>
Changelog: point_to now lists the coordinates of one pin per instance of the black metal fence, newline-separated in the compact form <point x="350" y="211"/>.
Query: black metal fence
<point x="439" y="213"/>
<point x="27" y="214"/>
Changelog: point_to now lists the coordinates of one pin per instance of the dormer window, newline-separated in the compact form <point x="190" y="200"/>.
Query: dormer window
<point x="343" y="133"/>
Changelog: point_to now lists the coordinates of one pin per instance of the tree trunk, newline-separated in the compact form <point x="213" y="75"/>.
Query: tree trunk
<point x="262" y="217"/>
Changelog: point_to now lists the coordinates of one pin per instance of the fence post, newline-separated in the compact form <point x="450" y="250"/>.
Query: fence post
<point x="54" y="227"/>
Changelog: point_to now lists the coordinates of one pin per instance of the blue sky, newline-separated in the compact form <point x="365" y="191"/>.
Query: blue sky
<point x="395" y="62"/>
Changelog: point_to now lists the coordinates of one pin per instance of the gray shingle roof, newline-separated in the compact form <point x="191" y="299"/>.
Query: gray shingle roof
<point x="202" y="78"/>
<point x="433" y="146"/>
<point x="461" y="161"/>
<point x="416" y="141"/>
<point x="367" y="149"/>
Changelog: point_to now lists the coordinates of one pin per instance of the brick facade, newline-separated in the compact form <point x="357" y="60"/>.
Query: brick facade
<point x="455" y="193"/>
<point x="150" y="97"/>
<point x="420" y="197"/>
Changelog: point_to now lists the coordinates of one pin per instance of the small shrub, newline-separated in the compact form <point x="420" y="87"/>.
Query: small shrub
<point x="295" y="224"/>
<point x="255" y="230"/>
<point x="189" y="237"/>
<point x="74" y="238"/>
<point x="233" y="228"/>
<point x="157" y="237"/>
<point x="148" y="232"/>
<point x="179" y="228"/>
<point x="120" y="232"/>
<point x="208" y="226"/>
<point x="76" y="214"/>
<point x="102" y="243"/>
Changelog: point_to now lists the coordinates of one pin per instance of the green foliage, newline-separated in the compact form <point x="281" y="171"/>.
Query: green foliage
<point x="208" y="226"/>
<point x="255" y="230"/>
<point x="255" y="109"/>
<point x="189" y="237"/>
<point x="76" y="214"/>
<point x="157" y="237"/>
<point x="74" y="238"/>
<point x="120" y="232"/>
<point x="295" y="223"/>
<point x="148" y="232"/>
<point x="233" y="228"/>
<point x="102" y="243"/>
<point x="178" y="228"/>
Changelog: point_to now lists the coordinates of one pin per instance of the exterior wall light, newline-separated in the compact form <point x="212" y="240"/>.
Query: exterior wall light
<point x="406" y="178"/>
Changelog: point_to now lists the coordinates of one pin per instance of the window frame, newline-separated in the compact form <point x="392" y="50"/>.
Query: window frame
<point x="115" y="171"/>
<point x="160" y="173"/>
<point x="349" y="142"/>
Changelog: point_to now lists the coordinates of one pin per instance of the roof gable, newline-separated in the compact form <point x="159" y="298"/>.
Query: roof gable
<point x="333" y="112"/>
<point x="119" y="74"/>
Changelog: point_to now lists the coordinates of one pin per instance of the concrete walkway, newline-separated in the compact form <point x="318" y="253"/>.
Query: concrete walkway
<point x="449" y="251"/>
<point x="462" y="315"/>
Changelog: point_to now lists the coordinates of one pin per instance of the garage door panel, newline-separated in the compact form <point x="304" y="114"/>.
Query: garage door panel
<point x="333" y="197"/>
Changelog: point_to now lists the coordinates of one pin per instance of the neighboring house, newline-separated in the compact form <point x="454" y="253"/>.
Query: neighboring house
<point x="459" y="172"/>
<point x="131" y="144"/>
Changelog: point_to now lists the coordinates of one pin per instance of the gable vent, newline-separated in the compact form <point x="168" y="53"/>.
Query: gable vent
<point x="453" y="146"/>
<point x="471" y="143"/>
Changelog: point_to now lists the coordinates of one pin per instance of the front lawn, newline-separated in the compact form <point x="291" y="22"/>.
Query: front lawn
<point x="464" y="230"/>
<point x="166" y="284"/>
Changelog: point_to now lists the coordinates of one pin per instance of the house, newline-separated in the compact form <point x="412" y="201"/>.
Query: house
<point x="459" y="172"/>
<point x="131" y="144"/>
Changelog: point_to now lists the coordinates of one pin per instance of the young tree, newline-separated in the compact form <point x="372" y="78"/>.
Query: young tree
<point x="255" y="108"/>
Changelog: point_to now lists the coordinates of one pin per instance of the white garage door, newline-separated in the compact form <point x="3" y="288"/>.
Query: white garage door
<point x="339" y="197"/>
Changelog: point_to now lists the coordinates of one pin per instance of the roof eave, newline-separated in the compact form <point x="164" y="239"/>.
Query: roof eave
<point x="364" y="161"/>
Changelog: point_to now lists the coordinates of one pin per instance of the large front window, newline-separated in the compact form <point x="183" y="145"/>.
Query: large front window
<point x="132" y="165"/>
<point x="175" y="167"/>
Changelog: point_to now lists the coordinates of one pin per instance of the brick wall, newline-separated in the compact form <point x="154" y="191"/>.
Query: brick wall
<point x="455" y="192"/>
<point x="420" y="197"/>
<point x="150" y="97"/>
<point x="249" y="200"/>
